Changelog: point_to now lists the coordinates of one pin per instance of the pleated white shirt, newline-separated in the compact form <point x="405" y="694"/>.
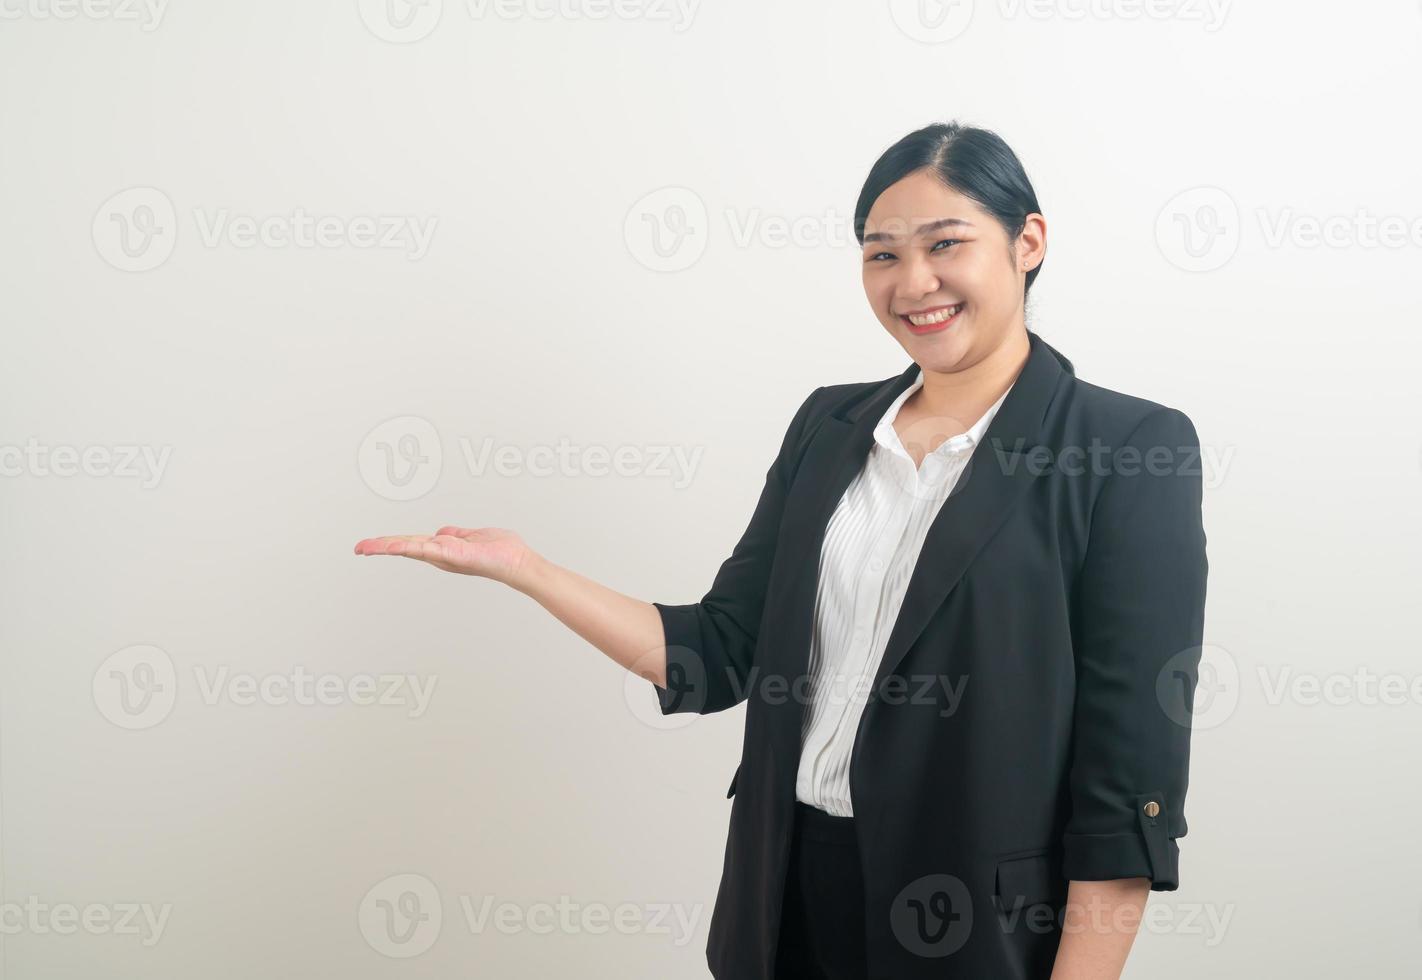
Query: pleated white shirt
<point x="871" y="545"/>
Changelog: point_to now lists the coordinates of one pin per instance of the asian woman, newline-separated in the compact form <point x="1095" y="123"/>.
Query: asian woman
<point x="965" y="616"/>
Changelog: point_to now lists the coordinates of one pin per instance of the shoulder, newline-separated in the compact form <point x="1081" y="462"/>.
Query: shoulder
<point x="1082" y="410"/>
<point x="840" y="399"/>
<point x="1087" y="410"/>
<point x="825" y="401"/>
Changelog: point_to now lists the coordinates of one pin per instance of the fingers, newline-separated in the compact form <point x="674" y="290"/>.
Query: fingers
<point x="394" y="544"/>
<point x="422" y="547"/>
<point x="426" y="547"/>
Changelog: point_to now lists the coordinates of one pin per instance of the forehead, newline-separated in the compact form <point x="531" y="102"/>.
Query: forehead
<point x="917" y="200"/>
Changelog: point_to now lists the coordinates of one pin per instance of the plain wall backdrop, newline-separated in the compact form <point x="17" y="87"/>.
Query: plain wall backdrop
<point x="278" y="276"/>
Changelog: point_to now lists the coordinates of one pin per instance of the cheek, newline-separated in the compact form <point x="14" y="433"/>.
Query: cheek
<point x="978" y="281"/>
<point x="879" y="288"/>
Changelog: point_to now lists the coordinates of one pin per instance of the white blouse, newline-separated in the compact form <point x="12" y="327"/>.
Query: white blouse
<point x="871" y="545"/>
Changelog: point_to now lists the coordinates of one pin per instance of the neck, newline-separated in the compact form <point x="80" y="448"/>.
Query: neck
<point x="969" y="392"/>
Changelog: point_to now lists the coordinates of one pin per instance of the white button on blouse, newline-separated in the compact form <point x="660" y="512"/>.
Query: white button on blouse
<point x="871" y="545"/>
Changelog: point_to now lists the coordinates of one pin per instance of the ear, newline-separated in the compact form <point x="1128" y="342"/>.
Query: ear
<point x="1031" y="244"/>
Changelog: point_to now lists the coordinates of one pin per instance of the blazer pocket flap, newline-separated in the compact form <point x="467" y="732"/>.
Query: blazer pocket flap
<point x="1029" y="880"/>
<point x="732" y="791"/>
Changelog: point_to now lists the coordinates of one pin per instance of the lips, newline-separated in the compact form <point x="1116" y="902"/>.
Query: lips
<point x="932" y="319"/>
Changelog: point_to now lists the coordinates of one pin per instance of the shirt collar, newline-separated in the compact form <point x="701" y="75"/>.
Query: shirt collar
<point x="886" y="436"/>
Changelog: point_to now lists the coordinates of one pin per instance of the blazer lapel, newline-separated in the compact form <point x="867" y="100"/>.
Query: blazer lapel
<point x="996" y="477"/>
<point x="836" y="452"/>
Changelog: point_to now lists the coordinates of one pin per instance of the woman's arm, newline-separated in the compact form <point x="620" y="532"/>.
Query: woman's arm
<point x="1140" y="604"/>
<point x="1102" y="918"/>
<point x="626" y="629"/>
<point x="698" y="655"/>
<point x="1137" y="636"/>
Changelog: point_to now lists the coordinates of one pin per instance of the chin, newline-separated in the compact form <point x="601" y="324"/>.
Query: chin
<point x="943" y="353"/>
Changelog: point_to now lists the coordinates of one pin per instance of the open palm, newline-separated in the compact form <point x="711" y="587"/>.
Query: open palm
<point x="490" y="552"/>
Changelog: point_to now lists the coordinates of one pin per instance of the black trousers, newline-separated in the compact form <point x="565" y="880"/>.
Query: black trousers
<point x="822" y="925"/>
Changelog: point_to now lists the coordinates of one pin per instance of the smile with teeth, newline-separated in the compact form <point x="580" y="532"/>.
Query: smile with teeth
<point x="932" y="317"/>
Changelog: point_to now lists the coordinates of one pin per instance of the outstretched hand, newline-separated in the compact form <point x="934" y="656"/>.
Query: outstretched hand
<point x="489" y="552"/>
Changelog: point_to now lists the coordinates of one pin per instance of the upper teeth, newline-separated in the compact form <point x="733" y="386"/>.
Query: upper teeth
<point x="923" y="319"/>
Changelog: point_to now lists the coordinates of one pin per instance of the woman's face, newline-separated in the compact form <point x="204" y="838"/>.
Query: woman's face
<point x="930" y="250"/>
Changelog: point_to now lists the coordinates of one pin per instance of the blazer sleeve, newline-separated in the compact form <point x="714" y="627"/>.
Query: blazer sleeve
<point x="1140" y="605"/>
<point x="710" y="644"/>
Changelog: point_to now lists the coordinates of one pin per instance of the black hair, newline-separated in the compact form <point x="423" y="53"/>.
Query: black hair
<point x="974" y="162"/>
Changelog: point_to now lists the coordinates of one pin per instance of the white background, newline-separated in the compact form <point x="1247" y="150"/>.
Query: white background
<point x="274" y="379"/>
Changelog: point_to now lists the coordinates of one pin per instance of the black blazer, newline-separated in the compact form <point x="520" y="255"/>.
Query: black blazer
<point x="1062" y="584"/>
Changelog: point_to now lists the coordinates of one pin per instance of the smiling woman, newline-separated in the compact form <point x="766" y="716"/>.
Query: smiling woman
<point x="953" y="239"/>
<point x="967" y="725"/>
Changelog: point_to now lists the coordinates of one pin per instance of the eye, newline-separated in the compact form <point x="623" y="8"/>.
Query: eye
<point x="875" y="256"/>
<point x="946" y="241"/>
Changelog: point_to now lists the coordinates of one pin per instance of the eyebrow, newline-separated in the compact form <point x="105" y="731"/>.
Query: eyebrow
<point x="879" y="236"/>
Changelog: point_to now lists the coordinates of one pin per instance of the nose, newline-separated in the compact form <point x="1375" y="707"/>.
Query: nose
<point x="918" y="280"/>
